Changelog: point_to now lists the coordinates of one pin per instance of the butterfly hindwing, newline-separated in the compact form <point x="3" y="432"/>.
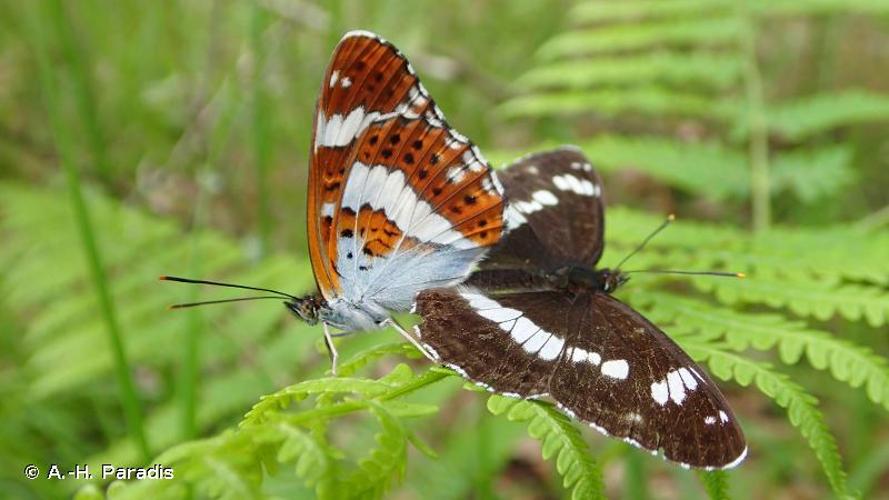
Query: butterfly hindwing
<point x="555" y="211"/>
<point x="599" y="360"/>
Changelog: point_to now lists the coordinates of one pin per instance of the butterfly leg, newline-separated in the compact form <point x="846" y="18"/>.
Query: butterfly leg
<point x="404" y="333"/>
<point x="331" y="349"/>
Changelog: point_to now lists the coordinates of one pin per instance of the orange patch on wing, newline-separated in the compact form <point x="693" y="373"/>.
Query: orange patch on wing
<point x="380" y="235"/>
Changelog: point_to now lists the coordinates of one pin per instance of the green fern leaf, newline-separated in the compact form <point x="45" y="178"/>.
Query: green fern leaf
<point x="385" y="463"/>
<point x="798" y="120"/>
<point x="706" y="70"/>
<point x="560" y="439"/>
<point x="602" y="11"/>
<point x="361" y="359"/>
<point x="847" y="362"/>
<point x="716" y="484"/>
<point x="610" y="102"/>
<point x="813" y="173"/>
<point x="712" y="32"/>
<point x="311" y="457"/>
<point x="806" y="297"/>
<point x="800" y="405"/>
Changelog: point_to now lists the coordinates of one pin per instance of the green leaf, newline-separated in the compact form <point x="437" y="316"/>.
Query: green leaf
<point x="711" y="31"/>
<point x="384" y="464"/>
<point x="800" y="119"/>
<point x="708" y="70"/>
<point x="716" y="484"/>
<point x="858" y="366"/>
<point x="800" y="405"/>
<point x="558" y="438"/>
<point x="610" y="102"/>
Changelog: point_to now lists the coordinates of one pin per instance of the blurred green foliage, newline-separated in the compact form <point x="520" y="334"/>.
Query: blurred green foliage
<point x="139" y="139"/>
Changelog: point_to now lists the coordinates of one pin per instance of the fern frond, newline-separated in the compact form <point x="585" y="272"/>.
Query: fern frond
<point x="813" y="173"/>
<point x="311" y="457"/>
<point x="558" y="438"/>
<point x="792" y="8"/>
<point x="800" y="405"/>
<point x="650" y="100"/>
<point x="383" y="464"/>
<point x="708" y="70"/>
<point x="807" y="116"/>
<point x="602" y="11"/>
<point x="713" y="31"/>
<point x="785" y="254"/>
<point x="271" y="404"/>
<point x="856" y="365"/>
<point x="716" y="484"/>
<point x="806" y="297"/>
<point x="361" y="359"/>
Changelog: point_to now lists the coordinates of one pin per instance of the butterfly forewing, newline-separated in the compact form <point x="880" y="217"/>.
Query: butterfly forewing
<point x="400" y="200"/>
<point x="555" y="212"/>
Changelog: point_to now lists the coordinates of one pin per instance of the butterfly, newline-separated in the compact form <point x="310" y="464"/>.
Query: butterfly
<point x="538" y="320"/>
<point x="398" y="201"/>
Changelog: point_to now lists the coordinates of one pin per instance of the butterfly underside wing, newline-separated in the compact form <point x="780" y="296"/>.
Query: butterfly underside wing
<point x="398" y="200"/>
<point x="519" y="328"/>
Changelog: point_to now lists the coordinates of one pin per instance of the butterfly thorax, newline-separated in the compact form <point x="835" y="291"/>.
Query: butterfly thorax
<point x="583" y="278"/>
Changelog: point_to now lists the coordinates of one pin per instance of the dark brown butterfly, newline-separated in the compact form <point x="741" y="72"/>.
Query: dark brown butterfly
<point x="538" y="320"/>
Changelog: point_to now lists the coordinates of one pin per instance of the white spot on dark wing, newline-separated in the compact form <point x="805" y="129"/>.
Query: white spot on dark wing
<point x="545" y="197"/>
<point x="723" y="417"/>
<point x="688" y="379"/>
<point x="527" y="207"/>
<point x="552" y="348"/>
<point x="579" y="355"/>
<point x="522" y="330"/>
<point x="334" y="77"/>
<point x="677" y="388"/>
<point x="513" y="217"/>
<point x="709" y="420"/>
<point x="532" y="169"/>
<point x="346" y="82"/>
<point x="568" y="182"/>
<point x="616" y="368"/>
<point x="659" y="392"/>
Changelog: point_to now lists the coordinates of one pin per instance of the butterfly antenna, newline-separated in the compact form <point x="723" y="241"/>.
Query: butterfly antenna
<point x="692" y="273"/>
<point x="222" y="301"/>
<point x="229" y="285"/>
<point x="670" y="218"/>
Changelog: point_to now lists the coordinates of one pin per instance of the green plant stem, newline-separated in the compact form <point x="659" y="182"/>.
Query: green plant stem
<point x="64" y="145"/>
<point x="83" y="91"/>
<point x="635" y="479"/>
<point x="874" y="220"/>
<point x="260" y="129"/>
<point x="757" y="121"/>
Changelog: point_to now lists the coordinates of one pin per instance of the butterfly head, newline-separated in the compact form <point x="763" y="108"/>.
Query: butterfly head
<point x="612" y="279"/>
<point x="306" y="308"/>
